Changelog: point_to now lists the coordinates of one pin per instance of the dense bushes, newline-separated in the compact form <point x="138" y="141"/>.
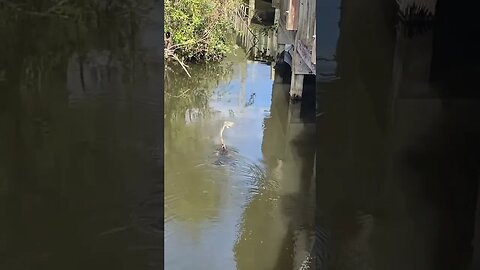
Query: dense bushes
<point x="200" y="28"/>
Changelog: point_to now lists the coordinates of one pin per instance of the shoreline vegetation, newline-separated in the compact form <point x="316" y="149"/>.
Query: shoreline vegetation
<point x="199" y="31"/>
<point x="202" y="35"/>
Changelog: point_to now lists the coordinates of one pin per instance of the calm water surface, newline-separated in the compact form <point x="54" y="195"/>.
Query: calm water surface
<point x="398" y="141"/>
<point x="244" y="212"/>
<point x="82" y="153"/>
<point x="81" y="137"/>
<point x="83" y="149"/>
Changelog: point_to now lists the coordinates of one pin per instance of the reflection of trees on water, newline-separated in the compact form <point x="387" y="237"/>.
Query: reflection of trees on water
<point x="190" y="190"/>
<point x="187" y="99"/>
<point x="94" y="10"/>
<point x="47" y="48"/>
<point x="35" y="53"/>
<point x="184" y="94"/>
<point x="193" y="188"/>
<point x="66" y="168"/>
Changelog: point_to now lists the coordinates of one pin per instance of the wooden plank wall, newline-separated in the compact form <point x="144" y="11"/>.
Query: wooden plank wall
<point x="296" y="26"/>
<point x="293" y="14"/>
<point x="304" y="38"/>
<point x="284" y="5"/>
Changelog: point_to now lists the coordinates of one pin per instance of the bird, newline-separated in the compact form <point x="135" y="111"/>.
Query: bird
<point x="226" y="124"/>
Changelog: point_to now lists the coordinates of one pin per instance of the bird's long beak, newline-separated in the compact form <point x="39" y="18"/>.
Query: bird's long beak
<point x="228" y="124"/>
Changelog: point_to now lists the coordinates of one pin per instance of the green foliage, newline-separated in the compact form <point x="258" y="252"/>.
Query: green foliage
<point x="200" y="28"/>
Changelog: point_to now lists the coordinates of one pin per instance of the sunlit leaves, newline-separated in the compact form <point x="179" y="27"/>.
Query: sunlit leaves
<point x="199" y="28"/>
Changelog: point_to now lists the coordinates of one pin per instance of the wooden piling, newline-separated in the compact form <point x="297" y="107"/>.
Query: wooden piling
<point x="292" y="15"/>
<point x="296" y="87"/>
<point x="296" y="26"/>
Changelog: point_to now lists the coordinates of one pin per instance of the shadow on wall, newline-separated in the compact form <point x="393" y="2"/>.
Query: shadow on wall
<point x="422" y="152"/>
<point x="443" y="165"/>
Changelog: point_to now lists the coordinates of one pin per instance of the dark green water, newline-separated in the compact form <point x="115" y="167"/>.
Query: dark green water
<point x="398" y="139"/>
<point x="81" y="138"/>
<point x="81" y="163"/>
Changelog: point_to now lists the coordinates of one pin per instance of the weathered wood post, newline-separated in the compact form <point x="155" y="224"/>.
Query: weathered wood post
<point x="292" y="15"/>
<point x="303" y="22"/>
<point x="314" y="46"/>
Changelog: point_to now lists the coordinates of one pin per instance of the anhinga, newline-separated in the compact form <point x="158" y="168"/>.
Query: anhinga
<point x="226" y="124"/>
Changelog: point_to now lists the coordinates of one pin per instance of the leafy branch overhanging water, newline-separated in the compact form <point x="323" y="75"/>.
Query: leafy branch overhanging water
<point x="200" y="29"/>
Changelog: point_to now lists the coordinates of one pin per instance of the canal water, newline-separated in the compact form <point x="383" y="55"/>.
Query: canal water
<point x="81" y="141"/>
<point x="87" y="168"/>
<point x="242" y="210"/>
<point x="397" y="138"/>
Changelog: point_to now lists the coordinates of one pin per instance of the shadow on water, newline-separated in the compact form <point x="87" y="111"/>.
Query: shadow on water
<point x="80" y="114"/>
<point x="285" y="233"/>
<point x="249" y="208"/>
<point x="397" y="142"/>
<point x="233" y="202"/>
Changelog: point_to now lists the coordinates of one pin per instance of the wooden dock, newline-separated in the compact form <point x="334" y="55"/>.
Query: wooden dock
<point x="296" y="21"/>
<point x="295" y="31"/>
<point x="259" y="41"/>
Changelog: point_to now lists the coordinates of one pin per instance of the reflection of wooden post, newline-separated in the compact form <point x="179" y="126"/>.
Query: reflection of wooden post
<point x="476" y="234"/>
<point x="412" y="61"/>
<point x="426" y="5"/>
<point x="296" y="87"/>
<point x="300" y="249"/>
<point x="243" y="89"/>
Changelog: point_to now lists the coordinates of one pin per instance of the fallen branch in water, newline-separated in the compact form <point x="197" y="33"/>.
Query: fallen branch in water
<point x="182" y="64"/>
<point x="181" y="95"/>
<point x="169" y="52"/>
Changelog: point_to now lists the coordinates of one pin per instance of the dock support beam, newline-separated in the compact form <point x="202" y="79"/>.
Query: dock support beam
<point x="296" y="26"/>
<point x="296" y="87"/>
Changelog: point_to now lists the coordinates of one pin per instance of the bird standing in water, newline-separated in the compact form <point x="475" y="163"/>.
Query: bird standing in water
<point x="226" y="124"/>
